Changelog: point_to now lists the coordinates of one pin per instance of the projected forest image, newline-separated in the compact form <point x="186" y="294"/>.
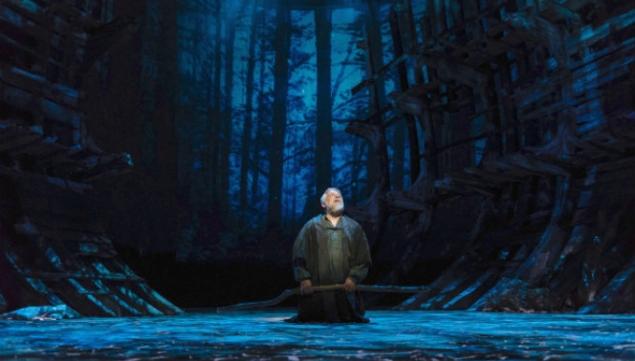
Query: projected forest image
<point x="243" y="111"/>
<point x="317" y="179"/>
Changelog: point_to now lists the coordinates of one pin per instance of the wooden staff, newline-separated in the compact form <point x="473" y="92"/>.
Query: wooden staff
<point x="296" y="291"/>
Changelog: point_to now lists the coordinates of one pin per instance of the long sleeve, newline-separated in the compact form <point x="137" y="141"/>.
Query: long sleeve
<point x="300" y="271"/>
<point x="360" y="258"/>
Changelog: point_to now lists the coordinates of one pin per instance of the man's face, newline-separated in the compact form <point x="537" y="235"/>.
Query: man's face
<point x="334" y="202"/>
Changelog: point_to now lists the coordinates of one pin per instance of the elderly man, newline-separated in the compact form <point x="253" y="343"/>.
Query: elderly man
<point x="330" y="249"/>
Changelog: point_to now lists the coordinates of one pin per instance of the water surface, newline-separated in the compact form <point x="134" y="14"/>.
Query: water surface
<point x="419" y="335"/>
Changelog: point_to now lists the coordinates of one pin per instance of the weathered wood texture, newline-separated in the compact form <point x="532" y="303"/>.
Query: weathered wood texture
<point x="53" y="248"/>
<point x="527" y="107"/>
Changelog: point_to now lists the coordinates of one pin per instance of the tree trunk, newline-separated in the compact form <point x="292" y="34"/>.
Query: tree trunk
<point x="377" y="91"/>
<point x="279" y="111"/>
<point x="214" y="123"/>
<point x="259" y="124"/>
<point x="324" y="136"/>
<point x="256" y="22"/>
<point x="226" y="131"/>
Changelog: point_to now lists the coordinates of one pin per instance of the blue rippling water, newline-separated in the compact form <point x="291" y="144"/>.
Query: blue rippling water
<point x="420" y="335"/>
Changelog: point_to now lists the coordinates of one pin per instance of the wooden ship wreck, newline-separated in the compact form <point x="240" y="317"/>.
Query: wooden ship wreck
<point x="53" y="247"/>
<point x="527" y="110"/>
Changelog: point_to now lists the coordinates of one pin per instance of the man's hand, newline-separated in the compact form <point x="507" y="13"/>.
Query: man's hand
<point x="349" y="285"/>
<point x="306" y="287"/>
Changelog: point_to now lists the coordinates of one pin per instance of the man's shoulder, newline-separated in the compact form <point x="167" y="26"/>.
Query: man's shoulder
<point x="351" y="222"/>
<point x="313" y="221"/>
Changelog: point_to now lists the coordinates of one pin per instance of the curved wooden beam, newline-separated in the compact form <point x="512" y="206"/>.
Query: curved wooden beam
<point x="296" y="291"/>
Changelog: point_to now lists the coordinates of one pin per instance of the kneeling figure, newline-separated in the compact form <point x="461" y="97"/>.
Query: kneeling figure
<point x="331" y="248"/>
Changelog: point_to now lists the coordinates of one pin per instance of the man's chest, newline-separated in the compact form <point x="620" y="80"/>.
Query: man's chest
<point x="332" y="241"/>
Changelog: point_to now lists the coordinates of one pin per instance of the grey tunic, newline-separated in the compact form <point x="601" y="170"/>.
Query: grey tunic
<point x="328" y="254"/>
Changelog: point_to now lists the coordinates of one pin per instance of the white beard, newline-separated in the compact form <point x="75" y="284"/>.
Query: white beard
<point x="337" y="209"/>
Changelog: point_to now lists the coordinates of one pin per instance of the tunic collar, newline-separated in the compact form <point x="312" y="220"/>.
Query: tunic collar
<point x="327" y="224"/>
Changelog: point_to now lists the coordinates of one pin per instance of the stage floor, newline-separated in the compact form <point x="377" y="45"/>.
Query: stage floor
<point x="421" y="335"/>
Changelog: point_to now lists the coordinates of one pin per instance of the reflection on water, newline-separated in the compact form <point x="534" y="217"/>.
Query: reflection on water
<point x="421" y="335"/>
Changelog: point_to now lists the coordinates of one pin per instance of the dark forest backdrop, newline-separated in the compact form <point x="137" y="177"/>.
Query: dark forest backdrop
<point x="235" y="116"/>
<point x="486" y="147"/>
<point x="234" y="113"/>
